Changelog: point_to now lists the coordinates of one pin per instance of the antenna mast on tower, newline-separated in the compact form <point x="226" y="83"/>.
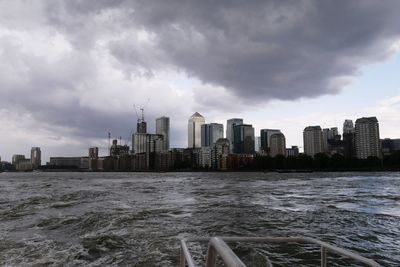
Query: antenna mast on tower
<point x="142" y="110"/>
<point x="137" y="115"/>
<point x="109" y="142"/>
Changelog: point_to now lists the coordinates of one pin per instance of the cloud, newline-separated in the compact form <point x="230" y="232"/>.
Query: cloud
<point x="387" y="112"/>
<point x="263" y="50"/>
<point x="77" y="67"/>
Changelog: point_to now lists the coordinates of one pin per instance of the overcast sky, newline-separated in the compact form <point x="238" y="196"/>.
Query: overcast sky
<point x="72" y="71"/>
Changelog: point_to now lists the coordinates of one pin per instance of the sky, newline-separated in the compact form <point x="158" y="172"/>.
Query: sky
<point x="72" y="71"/>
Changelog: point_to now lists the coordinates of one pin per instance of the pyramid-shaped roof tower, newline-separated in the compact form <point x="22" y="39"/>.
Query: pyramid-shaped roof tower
<point x="196" y="114"/>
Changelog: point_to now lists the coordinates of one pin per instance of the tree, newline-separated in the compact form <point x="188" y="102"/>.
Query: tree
<point x="321" y="161"/>
<point x="337" y="161"/>
<point x="279" y="162"/>
<point x="305" y="161"/>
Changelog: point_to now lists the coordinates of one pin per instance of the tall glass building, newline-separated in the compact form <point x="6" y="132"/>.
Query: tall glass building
<point x="244" y="139"/>
<point x="367" y="138"/>
<point x="229" y="131"/>
<point x="194" y="130"/>
<point x="210" y="133"/>
<point x="265" y="135"/>
<point x="162" y="128"/>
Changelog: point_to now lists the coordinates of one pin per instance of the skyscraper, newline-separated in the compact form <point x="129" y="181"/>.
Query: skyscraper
<point x="139" y="139"/>
<point x="210" y="133"/>
<point x="257" y="144"/>
<point x="312" y="138"/>
<point x="244" y="139"/>
<point x="139" y="143"/>
<point x="329" y="134"/>
<point x="265" y="135"/>
<point x="194" y="130"/>
<point x="277" y="144"/>
<point x="229" y="130"/>
<point x="349" y="139"/>
<point x="325" y="138"/>
<point x="162" y="128"/>
<point x="367" y="138"/>
<point x="36" y="157"/>
<point x="348" y="127"/>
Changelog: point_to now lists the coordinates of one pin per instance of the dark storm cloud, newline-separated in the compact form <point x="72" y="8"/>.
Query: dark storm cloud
<point x="255" y="50"/>
<point x="264" y="50"/>
<point x="260" y="50"/>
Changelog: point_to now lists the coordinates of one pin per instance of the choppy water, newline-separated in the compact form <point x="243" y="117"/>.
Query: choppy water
<point x="134" y="219"/>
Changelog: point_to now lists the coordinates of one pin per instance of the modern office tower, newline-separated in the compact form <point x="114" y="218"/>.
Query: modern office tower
<point x="36" y="157"/>
<point x="329" y="134"/>
<point x="229" y="130"/>
<point x="348" y="127"/>
<point x="367" y="138"/>
<point x="243" y="135"/>
<point x="146" y="143"/>
<point x="139" y="143"/>
<point x="210" y="133"/>
<point x="312" y="139"/>
<point x="257" y="144"/>
<point x="155" y="143"/>
<point x="325" y="138"/>
<point x="140" y="137"/>
<point x="162" y="128"/>
<point x="265" y="135"/>
<point x="349" y="139"/>
<point x="277" y="144"/>
<point x="333" y="133"/>
<point x="141" y="125"/>
<point x="349" y="144"/>
<point x="194" y="130"/>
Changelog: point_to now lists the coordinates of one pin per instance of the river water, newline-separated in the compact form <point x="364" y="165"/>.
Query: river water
<point x="136" y="219"/>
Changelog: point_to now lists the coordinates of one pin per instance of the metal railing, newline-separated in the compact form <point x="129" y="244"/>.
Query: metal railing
<point x="217" y="247"/>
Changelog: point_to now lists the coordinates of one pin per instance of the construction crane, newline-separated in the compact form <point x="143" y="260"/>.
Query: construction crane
<point x="141" y="108"/>
<point x="137" y="115"/>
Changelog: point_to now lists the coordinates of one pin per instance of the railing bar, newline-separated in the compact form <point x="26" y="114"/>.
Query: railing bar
<point x="251" y="239"/>
<point x="229" y="257"/>
<point x="187" y="254"/>
<point x="343" y="252"/>
<point x="295" y="239"/>
<point x="323" y="257"/>
<point x="182" y="258"/>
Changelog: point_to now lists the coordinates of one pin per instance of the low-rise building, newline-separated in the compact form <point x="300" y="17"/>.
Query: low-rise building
<point x="67" y="163"/>
<point x="24" y="165"/>
<point x="292" y="152"/>
<point x="390" y="146"/>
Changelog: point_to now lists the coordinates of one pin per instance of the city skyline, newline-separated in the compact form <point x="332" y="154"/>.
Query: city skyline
<point x="72" y="72"/>
<point x="158" y="142"/>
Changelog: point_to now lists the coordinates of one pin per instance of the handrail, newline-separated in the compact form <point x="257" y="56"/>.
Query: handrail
<point x="185" y="255"/>
<point x="217" y="246"/>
